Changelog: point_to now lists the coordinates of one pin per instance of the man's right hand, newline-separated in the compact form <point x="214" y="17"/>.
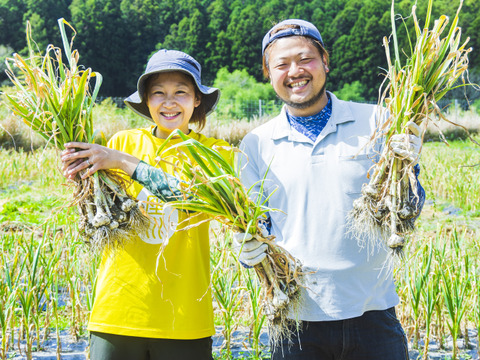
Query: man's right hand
<point x="250" y="250"/>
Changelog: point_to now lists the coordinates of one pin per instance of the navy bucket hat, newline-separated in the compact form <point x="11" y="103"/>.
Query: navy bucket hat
<point x="171" y="60"/>
<point x="305" y="28"/>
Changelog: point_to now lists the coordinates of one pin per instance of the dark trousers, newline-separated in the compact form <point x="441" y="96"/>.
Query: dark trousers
<point x="376" y="335"/>
<point x="117" y="347"/>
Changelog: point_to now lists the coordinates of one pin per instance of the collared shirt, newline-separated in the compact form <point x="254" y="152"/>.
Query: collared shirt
<point x="314" y="184"/>
<point x="312" y="126"/>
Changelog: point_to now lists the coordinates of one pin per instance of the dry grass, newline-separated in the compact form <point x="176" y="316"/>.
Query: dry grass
<point x="234" y="130"/>
<point x="14" y="134"/>
<point x="109" y="119"/>
<point x="469" y="120"/>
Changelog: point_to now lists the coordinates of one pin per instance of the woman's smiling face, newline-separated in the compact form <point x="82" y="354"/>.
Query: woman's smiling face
<point x="171" y="99"/>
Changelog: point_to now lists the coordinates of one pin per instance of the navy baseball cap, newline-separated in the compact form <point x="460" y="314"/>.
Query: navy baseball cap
<point x="304" y="29"/>
<point x="171" y="60"/>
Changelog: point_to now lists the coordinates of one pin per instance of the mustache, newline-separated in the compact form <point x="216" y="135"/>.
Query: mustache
<point x="297" y="79"/>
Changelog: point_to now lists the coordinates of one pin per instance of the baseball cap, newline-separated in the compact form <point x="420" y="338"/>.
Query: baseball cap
<point x="304" y="28"/>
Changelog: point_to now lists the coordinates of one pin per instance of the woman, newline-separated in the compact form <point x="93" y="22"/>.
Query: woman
<point x="149" y="306"/>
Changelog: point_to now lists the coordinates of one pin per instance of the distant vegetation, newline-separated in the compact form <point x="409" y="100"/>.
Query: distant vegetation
<point x="116" y="38"/>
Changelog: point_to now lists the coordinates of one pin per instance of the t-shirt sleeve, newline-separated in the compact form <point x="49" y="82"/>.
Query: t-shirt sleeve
<point x="164" y="186"/>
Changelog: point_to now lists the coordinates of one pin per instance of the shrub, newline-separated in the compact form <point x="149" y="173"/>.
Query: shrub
<point x="241" y="94"/>
<point x="351" y="92"/>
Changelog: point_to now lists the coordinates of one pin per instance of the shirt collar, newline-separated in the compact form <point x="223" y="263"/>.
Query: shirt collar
<point x="324" y="115"/>
<point x="340" y="114"/>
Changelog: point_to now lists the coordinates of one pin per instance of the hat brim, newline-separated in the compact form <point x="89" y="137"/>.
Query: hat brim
<point x="135" y="102"/>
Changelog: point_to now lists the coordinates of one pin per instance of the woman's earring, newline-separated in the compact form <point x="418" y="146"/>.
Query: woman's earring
<point x="327" y="69"/>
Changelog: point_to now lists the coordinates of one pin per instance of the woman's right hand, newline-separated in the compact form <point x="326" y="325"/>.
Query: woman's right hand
<point x="79" y="156"/>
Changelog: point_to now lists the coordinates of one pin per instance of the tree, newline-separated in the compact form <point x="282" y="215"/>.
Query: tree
<point x="43" y="16"/>
<point x="103" y="43"/>
<point x="116" y="37"/>
<point x="218" y="47"/>
<point x="190" y="36"/>
<point x="12" y="28"/>
<point x="5" y="51"/>
<point x="351" y="92"/>
<point x="470" y="23"/>
<point x="238" y="88"/>
<point x="246" y="39"/>
<point x="187" y="35"/>
<point x="147" y="21"/>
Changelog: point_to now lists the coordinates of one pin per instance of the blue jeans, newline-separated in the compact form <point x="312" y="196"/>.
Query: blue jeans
<point x="376" y="335"/>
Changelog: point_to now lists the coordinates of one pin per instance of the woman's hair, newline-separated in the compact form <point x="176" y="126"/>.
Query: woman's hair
<point x="199" y="116"/>
<point x="266" y="54"/>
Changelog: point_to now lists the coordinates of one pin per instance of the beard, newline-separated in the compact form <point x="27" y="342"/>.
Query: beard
<point x="307" y="103"/>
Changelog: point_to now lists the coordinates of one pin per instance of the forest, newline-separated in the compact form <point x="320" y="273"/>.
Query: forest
<point x="116" y="37"/>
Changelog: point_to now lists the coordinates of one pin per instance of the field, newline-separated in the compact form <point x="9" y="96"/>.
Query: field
<point x="48" y="273"/>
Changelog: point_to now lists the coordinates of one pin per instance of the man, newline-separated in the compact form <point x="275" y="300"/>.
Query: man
<point x="315" y="157"/>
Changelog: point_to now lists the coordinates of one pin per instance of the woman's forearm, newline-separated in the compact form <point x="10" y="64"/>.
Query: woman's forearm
<point x="162" y="185"/>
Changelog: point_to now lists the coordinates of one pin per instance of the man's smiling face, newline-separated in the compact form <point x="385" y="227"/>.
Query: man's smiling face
<point x="298" y="74"/>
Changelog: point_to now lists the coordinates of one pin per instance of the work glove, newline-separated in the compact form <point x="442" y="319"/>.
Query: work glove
<point x="250" y="250"/>
<point x="408" y="146"/>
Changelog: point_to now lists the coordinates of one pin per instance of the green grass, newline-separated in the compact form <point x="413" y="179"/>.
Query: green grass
<point x="32" y="189"/>
<point x="451" y="173"/>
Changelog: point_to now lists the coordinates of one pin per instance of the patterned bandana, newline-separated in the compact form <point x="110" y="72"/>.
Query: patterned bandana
<point x="311" y="126"/>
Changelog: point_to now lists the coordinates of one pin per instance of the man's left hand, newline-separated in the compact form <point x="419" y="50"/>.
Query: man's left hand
<point x="408" y="146"/>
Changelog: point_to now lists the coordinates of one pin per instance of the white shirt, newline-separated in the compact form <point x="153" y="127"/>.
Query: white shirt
<point x="314" y="186"/>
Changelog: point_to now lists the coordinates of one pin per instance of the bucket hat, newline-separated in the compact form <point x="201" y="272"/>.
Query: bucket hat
<point x="171" y="60"/>
<point x="305" y="28"/>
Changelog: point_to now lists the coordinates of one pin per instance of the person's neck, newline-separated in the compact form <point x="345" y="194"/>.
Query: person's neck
<point x="163" y="135"/>
<point x="311" y="110"/>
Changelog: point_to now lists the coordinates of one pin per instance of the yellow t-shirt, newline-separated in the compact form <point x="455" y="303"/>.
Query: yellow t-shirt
<point x="140" y="293"/>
